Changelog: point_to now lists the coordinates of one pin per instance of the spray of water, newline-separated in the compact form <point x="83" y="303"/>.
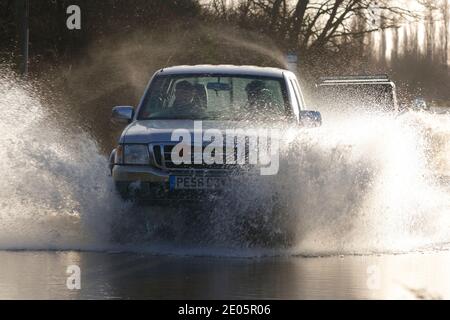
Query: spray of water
<point x="357" y="185"/>
<point x="371" y="186"/>
<point x="362" y="185"/>
<point x="54" y="190"/>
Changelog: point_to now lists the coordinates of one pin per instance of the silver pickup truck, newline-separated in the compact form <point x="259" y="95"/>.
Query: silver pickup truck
<point x="182" y="108"/>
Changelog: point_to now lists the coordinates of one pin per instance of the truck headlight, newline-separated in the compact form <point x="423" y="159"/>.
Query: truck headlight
<point x="135" y="154"/>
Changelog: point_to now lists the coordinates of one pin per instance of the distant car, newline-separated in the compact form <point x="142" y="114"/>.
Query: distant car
<point x="221" y="96"/>
<point x="363" y="93"/>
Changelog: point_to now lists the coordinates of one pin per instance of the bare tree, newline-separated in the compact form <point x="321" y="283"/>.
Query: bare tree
<point x="312" y="25"/>
<point x="297" y="21"/>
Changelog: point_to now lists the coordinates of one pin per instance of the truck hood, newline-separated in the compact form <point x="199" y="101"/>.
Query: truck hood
<point x="150" y="131"/>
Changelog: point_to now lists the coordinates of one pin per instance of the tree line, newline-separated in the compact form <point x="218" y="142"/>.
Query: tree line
<point x="306" y="27"/>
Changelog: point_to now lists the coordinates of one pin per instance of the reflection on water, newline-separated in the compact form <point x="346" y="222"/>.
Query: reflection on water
<point x="42" y="275"/>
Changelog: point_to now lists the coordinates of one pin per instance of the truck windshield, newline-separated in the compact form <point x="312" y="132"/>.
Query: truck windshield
<point x="214" y="97"/>
<point x="356" y="97"/>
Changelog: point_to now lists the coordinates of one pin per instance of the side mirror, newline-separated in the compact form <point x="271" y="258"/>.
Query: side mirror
<point x="122" y="114"/>
<point x="310" y="118"/>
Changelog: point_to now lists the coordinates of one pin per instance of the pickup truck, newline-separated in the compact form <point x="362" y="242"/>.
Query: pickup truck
<point x="216" y="97"/>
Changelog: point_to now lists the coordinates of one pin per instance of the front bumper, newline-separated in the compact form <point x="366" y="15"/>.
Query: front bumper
<point x="149" y="183"/>
<point x="128" y="173"/>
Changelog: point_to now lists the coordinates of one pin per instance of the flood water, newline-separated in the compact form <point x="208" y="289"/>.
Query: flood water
<point x="367" y="214"/>
<point x="42" y="275"/>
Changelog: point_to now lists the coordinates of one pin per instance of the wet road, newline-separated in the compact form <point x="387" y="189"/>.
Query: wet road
<point x="42" y="275"/>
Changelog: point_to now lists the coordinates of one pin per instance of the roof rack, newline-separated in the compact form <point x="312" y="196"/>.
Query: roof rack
<point x="354" y="78"/>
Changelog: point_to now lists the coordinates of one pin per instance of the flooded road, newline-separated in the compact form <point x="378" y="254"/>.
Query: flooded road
<point x="42" y="275"/>
<point x="353" y="188"/>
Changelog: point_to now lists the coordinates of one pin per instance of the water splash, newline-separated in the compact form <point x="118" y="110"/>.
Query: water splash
<point x="365" y="185"/>
<point x="357" y="185"/>
<point x="375" y="187"/>
<point x="54" y="190"/>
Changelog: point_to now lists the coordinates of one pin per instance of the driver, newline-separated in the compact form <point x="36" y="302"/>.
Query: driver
<point x="184" y="96"/>
<point x="258" y="96"/>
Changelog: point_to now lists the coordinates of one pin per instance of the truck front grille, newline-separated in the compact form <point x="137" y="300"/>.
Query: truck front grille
<point x="163" y="158"/>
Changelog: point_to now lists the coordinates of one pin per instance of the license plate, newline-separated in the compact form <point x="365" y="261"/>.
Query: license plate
<point x="195" y="183"/>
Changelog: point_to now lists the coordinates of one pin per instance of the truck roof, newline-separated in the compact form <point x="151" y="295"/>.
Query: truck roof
<point x="224" y="69"/>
